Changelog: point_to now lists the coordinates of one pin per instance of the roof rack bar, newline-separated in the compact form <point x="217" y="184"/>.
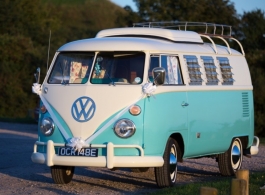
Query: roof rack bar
<point x="228" y="47"/>
<point x="209" y="38"/>
<point x="242" y="50"/>
<point x="186" y="25"/>
<point x="220" y="31"/>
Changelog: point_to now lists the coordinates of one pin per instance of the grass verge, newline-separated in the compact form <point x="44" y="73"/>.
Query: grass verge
<point x="256" y="180"/>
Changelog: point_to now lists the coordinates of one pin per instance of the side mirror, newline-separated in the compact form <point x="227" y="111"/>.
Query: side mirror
<point x="159" y="75"/>
<point x="37" y="75"/>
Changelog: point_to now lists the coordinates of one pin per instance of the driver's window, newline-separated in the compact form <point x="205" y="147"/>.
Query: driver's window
<point x="171" y="65"/>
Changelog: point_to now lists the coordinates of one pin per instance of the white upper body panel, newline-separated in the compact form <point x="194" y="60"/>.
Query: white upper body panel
<point x="142" y="44"/>
<point x="164" y="41"/>
<point x="173" y="35"/>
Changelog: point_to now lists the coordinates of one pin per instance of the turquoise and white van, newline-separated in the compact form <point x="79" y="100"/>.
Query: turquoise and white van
<point x="146" y="96"/>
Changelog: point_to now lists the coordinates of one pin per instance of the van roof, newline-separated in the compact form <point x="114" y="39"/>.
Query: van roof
<point x="143" y="44"/>
<point x="173" y="35"/>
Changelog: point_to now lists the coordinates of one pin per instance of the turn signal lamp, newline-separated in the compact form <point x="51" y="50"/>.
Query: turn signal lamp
<point x="43" y="109"/>
<point x="135" y="110"/>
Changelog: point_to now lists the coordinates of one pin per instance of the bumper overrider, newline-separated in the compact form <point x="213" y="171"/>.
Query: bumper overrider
<point x="50" y="158"/>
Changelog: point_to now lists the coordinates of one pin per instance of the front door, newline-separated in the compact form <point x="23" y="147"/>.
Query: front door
<point x="166" y="110"/>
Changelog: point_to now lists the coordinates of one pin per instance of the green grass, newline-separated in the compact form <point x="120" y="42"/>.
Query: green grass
<point x="256" y="180"/>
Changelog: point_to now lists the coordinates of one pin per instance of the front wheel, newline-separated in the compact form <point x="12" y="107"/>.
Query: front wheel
<point x="62" y="174"/>
<point x="230" y="161"/>
<point x="166" y="175"/>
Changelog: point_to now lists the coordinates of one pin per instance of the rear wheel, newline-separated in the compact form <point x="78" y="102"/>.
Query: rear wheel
<point x="166" y="175"/>
<point x="230" y="161"/>
<point x="62" y="174"/>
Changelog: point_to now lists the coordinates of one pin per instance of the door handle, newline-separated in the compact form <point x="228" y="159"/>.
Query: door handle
<point x="184" y="104"/>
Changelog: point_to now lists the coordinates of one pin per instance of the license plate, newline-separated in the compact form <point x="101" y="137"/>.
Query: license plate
<point x="67" y="151"/>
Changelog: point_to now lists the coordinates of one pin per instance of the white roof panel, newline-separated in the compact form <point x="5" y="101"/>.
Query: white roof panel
<point x="141" y="44"/>
<point x="173" y="35"/>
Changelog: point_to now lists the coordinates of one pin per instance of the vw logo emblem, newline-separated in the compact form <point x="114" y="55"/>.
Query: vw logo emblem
<point x="83" y="109"/>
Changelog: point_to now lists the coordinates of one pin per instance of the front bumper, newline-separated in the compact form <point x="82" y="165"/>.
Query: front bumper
<point x="110" y="161"/>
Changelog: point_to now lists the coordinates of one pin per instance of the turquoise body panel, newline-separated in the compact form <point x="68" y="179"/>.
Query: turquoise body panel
<point x="207" y="125"/>
<point x="217" y="117"/>
<point x="109" y="135"/>
<point x="56" y="136"/>
<point x="164" y="115"/>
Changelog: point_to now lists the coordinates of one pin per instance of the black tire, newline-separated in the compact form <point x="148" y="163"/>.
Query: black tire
<point x="166" y="175"/>
<point x="231" y="161"/>
<point x="62" y="174"/>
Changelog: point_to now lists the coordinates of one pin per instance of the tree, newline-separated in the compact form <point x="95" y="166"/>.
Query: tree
<point x="252" y="30"/>
<point x="24" y="35"/>
<point x="216" y="11"/>
<point x="251" y="34"/>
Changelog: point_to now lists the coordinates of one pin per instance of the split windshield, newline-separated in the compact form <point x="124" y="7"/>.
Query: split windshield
<point x="109" y="68"/>
<point x="71" y="68"/>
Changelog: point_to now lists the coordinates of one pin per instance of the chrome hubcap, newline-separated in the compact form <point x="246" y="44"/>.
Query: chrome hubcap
<point x="172" y="163"/>
<point x="236" y="156"/>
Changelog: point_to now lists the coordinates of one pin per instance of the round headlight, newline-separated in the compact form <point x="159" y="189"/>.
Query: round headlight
<point x="124" y="128"/>
<point x="47" y="126"/>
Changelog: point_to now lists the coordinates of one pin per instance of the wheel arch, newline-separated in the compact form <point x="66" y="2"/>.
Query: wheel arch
<point x="244" y="141"/>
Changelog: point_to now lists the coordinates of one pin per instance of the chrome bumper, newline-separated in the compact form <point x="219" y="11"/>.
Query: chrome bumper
<point x="110" y="161"/>
<point x="254" y="149"/>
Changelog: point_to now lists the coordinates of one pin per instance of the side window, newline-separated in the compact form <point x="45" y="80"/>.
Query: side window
<point x="154" y="62"/>
<point x="227" y="74"/>
<point x="171" y="65"/>
<point x="194" y="70"/>
<point x="210" y="70"/>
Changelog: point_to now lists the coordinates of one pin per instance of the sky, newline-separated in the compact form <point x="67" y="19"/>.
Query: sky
<point x="240" y="5"/>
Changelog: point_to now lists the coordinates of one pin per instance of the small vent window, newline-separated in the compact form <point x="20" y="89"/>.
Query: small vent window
<point x="194" y="70"/>
<point x="245" y="104"/>
<point x="226" y="71"/>
<point x="210" y="70"/>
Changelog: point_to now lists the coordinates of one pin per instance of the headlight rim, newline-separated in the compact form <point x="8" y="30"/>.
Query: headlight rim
<point x="120" y="121"/>
<point x="52" y="127"/>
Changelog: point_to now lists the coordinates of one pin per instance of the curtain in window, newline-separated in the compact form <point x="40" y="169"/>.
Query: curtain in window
<point x="172" y="70"/>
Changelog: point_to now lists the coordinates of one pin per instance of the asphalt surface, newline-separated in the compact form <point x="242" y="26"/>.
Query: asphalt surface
<point x="19" y="175"/>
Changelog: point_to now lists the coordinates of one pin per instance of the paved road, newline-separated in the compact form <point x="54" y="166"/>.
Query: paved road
<point x="20" y="176"/>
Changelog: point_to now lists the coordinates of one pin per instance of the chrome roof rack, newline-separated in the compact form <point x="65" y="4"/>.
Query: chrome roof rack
<point x="217" y="29"/>
<point x="204" y="29"/>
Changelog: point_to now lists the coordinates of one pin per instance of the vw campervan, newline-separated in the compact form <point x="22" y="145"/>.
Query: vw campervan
<point x="146" y="96"/>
